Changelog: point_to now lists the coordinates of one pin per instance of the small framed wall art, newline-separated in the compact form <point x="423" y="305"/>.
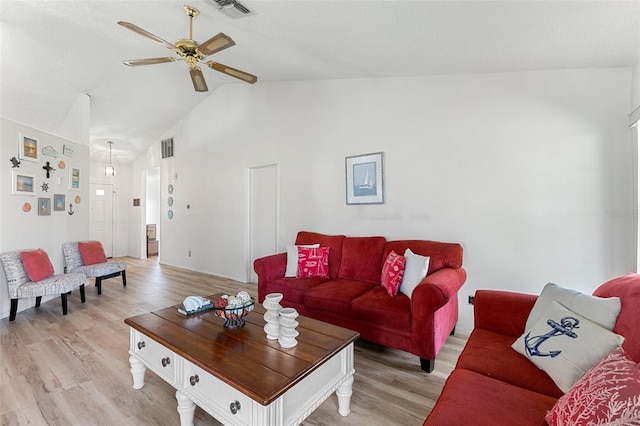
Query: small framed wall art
<point x="44" y="206"/>
<point x="364" y="179"/>
<point x="28" y="148"/>
<point x="59" y="202"/>
<point x="74" y="178"/>
<point x="23" y="183"/>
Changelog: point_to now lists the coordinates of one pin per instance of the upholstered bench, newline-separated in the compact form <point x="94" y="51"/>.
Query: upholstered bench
<point x="45" y="283"/>
<point x="88" y="257"/>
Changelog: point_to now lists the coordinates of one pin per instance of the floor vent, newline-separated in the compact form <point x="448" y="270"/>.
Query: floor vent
<point x="167" y="148"/>
<point x="233" y="9"/>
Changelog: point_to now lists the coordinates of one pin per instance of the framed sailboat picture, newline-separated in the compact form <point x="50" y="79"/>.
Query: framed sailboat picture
<point x="364" y="179"/>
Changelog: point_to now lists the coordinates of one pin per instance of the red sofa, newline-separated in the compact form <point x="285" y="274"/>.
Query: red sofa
<point x="352" y="296"/>
<point x="493" y="384"/>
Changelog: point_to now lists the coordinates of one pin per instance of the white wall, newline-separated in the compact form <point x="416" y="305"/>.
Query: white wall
<point x="528" y="171"/>
<point x="20" y="230"/>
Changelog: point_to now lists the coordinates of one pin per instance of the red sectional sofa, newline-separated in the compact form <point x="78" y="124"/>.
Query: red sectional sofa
<point x="353" y="297"/>
<point x="493" y="384"/>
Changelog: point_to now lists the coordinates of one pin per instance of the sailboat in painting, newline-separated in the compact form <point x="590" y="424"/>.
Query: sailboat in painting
<point x="368" y="182"/>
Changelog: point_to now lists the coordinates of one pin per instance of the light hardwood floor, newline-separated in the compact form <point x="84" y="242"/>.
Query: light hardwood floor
<point x="74" y="369"/>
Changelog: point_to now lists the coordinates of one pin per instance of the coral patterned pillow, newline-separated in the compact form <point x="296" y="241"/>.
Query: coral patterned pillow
<point x="313" y="262"/>
<point x="608" y="394"/>
<point x="92" y="252"/>
<point x="392" y="272"/>
<point x="37" y="264"/>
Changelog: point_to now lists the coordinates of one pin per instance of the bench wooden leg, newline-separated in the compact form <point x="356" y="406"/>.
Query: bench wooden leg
<point x="99" y="285"/>
<point x="14" y="309"/>
<point x="124" y="279"/>
<point x="82" y="298"/>
<point x="38" y="300"/>
<point x="63" y="296"/>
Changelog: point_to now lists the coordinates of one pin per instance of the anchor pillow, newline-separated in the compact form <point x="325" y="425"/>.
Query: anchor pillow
<point x="565" y="345"/>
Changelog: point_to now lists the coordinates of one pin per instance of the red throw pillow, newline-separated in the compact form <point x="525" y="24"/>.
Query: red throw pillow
<point x="92" y="252"/>
<point x="37" y="264"/>
<point x="609" y="394"/>
<point x="392" y="272"/>
<point x="313" y="262"/>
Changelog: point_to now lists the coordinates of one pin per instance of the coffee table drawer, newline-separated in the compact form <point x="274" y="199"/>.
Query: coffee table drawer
<point x="155" y="356"/>
<point x="215" y="396"/>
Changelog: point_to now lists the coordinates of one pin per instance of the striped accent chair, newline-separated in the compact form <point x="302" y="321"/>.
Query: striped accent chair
<point x="21" y="287"/>
<point x="99" y="271"/>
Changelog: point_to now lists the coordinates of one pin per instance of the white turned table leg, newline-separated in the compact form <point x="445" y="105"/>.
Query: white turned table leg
<point x="186" y="408"/>
<point x="137" y="372"/>
<point x="343" y="393"/>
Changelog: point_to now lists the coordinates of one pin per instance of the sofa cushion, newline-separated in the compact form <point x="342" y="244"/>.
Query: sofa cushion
<point x="92" y="252"/>
<point x="442" y="255"/>
<point x="313" y="262"/>
<point x="490" y="354"/>
<point x="628" y="289"/>
<point x="392" y="273"/>
<point x="375" y="306"/>
<point x="602" y="311"/>
<point x="293" y="289"/>
<point x="362" y="259"/>
<point x="565" y="344"/>
<point x="335" y="295"/>
<point x="469" y="398"/>
<point x="292" y="259"/>
<point x="334" y="242"/>
<point x="37" y="264"/>
<point x="608" y="394"/>
<point x="416" y="268"/>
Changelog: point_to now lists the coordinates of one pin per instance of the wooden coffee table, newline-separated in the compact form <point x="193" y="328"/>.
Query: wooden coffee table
<point x="238" y="376"/>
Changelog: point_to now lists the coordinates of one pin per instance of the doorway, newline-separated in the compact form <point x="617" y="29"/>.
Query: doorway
<point x="101" y="215"/>
<point x="263" y="214"/>
<point x="152" y="213"/>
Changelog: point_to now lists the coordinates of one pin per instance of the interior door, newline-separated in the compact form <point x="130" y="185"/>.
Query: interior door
<point x="101" y="215"/>
<point x="263" y="214"/>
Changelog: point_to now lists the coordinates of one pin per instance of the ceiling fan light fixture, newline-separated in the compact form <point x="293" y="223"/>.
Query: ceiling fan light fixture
<point x="110" y="170"/>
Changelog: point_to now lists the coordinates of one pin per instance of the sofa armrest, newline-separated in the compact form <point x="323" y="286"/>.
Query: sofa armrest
<point x="436" y="289"/>
<point x="503" y="312"/>
<point x="269" y="268"/>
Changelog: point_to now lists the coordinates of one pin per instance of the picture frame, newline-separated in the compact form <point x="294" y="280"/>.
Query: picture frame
<point x="23" y="183"/>
<point x="28" y="148"/>
<point x="59" y="202"/>
<point x="44" y="206"/>
<point x="75" y="180"/>
<point x="364" y="177"/>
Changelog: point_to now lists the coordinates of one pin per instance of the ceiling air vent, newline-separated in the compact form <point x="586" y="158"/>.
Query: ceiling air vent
<point x="233" y="9"/>
<point x="167" y="148"/>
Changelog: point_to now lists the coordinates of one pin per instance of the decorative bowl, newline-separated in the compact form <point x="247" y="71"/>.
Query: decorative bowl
<point x="233" y="315"/>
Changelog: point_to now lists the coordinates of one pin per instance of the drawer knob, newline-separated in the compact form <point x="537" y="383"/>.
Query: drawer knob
<point x="234" y="407"/>
<point x="141" y="345"/>
<point x="194" y="379"/>
<point x="166" y="361"/>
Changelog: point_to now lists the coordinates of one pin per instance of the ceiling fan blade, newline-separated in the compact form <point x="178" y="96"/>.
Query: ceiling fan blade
<point x="137" y="29"/>
<point x="150" y="61"/>
<point x="215" y="44"/>
<point x="233" y="72"/>
<point x="198" y="80"/>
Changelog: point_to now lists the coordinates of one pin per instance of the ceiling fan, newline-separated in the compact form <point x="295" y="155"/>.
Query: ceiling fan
<point x="192" y="53"/>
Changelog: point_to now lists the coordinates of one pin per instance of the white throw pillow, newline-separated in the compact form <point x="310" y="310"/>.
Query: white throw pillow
<point x="602" y="311"/>
<point x="415" y="269"/>
<point x="292" y="258"/>
<point x="565" y="345"/>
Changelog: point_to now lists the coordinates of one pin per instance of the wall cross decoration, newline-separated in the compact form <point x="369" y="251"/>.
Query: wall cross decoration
<point x="49" y="169"/>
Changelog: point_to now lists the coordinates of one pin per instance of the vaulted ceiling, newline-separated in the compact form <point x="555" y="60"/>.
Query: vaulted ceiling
<point x="53" y="51"/>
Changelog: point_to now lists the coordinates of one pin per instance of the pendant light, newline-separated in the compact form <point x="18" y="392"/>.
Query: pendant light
<point x="109" y="170"/>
